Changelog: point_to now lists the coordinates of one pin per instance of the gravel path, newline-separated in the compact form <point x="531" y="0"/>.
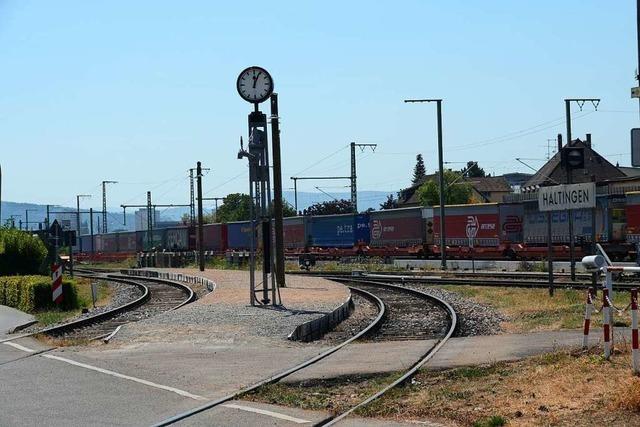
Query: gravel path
<point x="121" y="294"/>
<point x="473" y="318"/>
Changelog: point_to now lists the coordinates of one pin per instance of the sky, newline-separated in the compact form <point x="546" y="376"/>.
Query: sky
<point x="138" y="92"/>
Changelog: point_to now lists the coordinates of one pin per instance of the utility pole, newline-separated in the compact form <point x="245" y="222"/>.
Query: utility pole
<point x="78" y="218"/>
<point x="295" y="190"/>
<point x="149" y="221"/>
<point x="0" y="194"/>
<point x="443" y="246"/>
<point x="277" y="191"/>
<point x="550" y="143"/>
<point x="200" y="220"/>
<point x="567" y="107"/>
<point x="104" y="204"/>
<point x="91" y="229"/>
<point x="354" y="191"/>
<point x="192" y="199"/>
<point x="638" y="36"/>
<point x="27" y="225"/>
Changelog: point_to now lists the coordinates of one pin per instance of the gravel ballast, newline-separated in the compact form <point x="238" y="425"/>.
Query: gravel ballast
<point x="121" y="295"/>
<point x="473" y="318"/>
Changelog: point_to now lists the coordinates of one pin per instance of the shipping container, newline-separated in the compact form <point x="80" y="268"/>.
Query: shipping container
<point x="86" y="243"/>
<point x="397" y="227"/>
<point x="156" y="243"/>
<point x="332" y="231"/>
<point x="127" y="241"/>
<point x="511" y="219"/>
<point x="362" y="229"/>
<point x="632" y="212"/>
<point x="463" y="221"/>
<point x="215" y="237"/>
<point x="239" y="235"/>
<point x="110" y="243"/>
<point x="535" y="225"/>
<point x="293" y="230"/>
<point x="177" y="239"/>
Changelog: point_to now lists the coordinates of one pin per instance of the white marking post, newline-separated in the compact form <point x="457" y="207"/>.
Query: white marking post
<point x="635" y="354"/>
<point x="605" y="323"/>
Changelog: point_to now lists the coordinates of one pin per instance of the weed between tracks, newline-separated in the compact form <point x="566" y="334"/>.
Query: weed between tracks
<point x="562" y="388"/>
<point x="531" y="310"/>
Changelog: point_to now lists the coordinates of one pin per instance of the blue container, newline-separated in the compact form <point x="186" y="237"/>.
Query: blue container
<point x="362" y="231"/>
<point x="332" y="231"/>
<point x="239" y="235"/>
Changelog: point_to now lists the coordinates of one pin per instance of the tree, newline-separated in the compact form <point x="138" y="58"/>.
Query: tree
<point x="419" y="171"/>
<point x="236" y="207"/>
<point x="330" y="208"/>
<point x="391" y="203"/>
<point x="474" y="171"/>
<point x="456" y="190"/>
<point x="288" y="210"/>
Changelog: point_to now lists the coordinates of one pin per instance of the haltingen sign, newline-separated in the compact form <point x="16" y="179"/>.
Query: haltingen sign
<point x="567" y="196"/>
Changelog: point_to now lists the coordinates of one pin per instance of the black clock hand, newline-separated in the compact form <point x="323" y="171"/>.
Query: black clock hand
<point x="255" y="79"/>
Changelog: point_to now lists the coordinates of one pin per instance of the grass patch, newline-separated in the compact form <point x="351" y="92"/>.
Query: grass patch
<point x="82" y="285"/>
<point x="130" y="262"/>
<point x="561" y="388"/>
<point x="533" y="310"/>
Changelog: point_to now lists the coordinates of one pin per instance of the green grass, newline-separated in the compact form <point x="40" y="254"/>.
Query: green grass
<point x="493" y="421"/>
<point x="83" y="291"/>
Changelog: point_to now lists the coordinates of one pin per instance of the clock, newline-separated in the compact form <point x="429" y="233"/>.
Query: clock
<point x="255" y="85"/>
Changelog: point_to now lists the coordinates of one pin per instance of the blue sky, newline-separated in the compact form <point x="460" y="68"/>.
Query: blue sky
<point x="139" y="91"/>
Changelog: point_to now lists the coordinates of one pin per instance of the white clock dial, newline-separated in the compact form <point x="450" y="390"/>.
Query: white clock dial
<point x="255" y="84"/>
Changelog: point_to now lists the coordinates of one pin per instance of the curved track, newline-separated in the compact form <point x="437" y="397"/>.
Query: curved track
<point x="399" y="318"/>
<point x="157" y="296"/>
<point x="442" y="336"/>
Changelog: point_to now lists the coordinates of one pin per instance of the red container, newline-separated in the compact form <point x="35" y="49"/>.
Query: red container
<point x="215" y="237"/>
<point x="463" y="221"/>
<point x="396" y="227"/>
<point x="293" y="230"/>
<point x="632" y="211"/>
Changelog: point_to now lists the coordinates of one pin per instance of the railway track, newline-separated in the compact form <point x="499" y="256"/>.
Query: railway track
<point x="157" y="296"/>
<point x="401" y="314"/>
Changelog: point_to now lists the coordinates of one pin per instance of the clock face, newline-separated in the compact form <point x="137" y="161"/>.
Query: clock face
<point x="255" y="84"/>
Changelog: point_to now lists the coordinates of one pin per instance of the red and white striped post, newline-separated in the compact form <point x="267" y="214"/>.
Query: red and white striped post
<point x="635" y="354"/>
<point x="56" y="282"/>
<point x="587" y="318"/>
<point x="606" y="325"/>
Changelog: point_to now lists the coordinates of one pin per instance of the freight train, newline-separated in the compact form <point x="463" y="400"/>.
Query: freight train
<point x="510" y="231"/>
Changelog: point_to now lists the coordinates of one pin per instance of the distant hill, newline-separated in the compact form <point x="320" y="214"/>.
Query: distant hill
<point x="38" y="213"/>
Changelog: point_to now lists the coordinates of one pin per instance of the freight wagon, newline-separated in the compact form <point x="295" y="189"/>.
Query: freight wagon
<point x="127" y="241"/>
<point x="398" y="232"/>
<point x="337" y="231"/>
<point x="293" y="231"/>
<point x="239" y="235"/>
<point x="177" y="239"/>
<point x="215" y="237"/>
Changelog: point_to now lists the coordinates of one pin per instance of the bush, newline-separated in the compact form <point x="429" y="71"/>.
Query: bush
<point x="20" y="252"/>
<point x="31" y="293"/>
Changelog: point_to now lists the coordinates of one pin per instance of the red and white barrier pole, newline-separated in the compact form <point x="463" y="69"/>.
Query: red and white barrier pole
<point x="635" y="354"/>
<point x="606" y="325"/>
<point x="587" y="318"/>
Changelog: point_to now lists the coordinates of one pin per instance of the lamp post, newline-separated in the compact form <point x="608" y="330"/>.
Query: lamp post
<point x="443" y="247"/>
<point x="78" y="218"/>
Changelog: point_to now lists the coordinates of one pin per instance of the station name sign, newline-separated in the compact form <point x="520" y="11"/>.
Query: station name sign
<point x="567" y="196"/>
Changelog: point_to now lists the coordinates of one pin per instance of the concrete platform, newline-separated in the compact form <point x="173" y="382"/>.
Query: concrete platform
<point x="10" y="318"/>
